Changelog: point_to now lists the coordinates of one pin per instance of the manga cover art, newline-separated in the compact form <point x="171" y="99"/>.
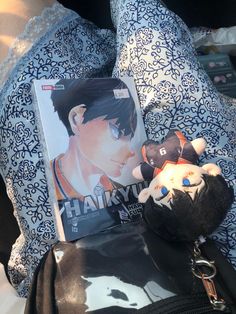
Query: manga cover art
<point x="92" y="131"/>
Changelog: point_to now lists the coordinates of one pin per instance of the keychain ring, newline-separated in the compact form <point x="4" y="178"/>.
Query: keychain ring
<point x="202" y="262"/>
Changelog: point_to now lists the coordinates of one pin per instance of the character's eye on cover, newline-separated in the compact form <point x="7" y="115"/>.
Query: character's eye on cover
<point x="116" y="133"/>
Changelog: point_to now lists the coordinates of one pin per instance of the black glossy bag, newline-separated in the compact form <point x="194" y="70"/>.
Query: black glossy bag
<point x="127" y="269"/>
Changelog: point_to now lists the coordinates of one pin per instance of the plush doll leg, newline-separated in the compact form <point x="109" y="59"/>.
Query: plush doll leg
<point x="155" y="47"/>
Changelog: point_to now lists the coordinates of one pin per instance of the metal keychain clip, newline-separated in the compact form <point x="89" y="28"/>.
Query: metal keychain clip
<point x="206" y="271"/>
<point x="209" y="271"/>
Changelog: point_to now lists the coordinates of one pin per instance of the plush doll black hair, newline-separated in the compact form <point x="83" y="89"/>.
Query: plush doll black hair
<point x="183" y="201"/>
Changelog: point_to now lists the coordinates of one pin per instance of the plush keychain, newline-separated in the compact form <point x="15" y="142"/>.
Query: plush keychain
<point x="184" y="200"/>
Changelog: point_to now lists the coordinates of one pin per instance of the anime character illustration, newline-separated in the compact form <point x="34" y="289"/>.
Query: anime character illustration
<point x="184" y="200"/>
<point x="101" y="119"/>
<point x="100" y="124"/>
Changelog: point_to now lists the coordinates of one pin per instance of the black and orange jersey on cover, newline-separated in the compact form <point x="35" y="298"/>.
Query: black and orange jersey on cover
<point x="64" y="189"/>
<point x="175" y="150"/>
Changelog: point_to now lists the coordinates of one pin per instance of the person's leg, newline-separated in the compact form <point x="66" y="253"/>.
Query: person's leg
<point x="155" y="47"/>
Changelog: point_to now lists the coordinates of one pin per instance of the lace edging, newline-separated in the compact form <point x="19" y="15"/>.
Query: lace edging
<point x="34" y="29"/>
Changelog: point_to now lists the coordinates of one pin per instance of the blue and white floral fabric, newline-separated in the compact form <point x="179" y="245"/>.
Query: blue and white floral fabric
<point x="155" y="47"/>
<point x="58" y="44"/>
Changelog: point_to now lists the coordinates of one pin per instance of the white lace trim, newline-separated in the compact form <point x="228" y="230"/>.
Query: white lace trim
<point x="34" y="29"/>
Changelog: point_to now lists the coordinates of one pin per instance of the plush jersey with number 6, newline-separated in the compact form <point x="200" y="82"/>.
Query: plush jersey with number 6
<point x="174" y="150"/>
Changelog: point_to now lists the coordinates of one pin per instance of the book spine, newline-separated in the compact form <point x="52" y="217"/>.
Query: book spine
<point x="48" y="172"/>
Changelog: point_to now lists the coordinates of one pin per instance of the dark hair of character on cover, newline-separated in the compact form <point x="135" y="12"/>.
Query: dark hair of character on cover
<point x="97" y="95"/>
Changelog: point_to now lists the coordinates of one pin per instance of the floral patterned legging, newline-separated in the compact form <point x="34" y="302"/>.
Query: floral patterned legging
<point x="155" y="47"/>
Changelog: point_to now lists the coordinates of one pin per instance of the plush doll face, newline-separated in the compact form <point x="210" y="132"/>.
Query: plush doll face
<point x="183" y="177"/>
<point x="183" y="201"/>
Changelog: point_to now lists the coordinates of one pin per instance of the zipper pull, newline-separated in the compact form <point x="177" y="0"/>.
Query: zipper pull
<point x="217" y="304"/>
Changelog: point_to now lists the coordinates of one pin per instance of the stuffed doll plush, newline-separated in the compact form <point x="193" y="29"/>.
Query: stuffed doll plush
<point x="183" y="201"/>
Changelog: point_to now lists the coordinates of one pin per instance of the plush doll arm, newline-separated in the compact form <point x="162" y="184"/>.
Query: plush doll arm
<point x="144" y="171"/>
<point x="137" y="173"/>
<point x="144" y="195"/>
<point x="199" y="145"/>
<point x="212" y="169"/>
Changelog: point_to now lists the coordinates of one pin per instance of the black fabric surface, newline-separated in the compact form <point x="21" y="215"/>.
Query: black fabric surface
<point x="43" y="287"/>
<point x="211" y="13"/>
<point x="117" y="252"/>
<point x="9" y="230"/>
<point x="105" y="255"/>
